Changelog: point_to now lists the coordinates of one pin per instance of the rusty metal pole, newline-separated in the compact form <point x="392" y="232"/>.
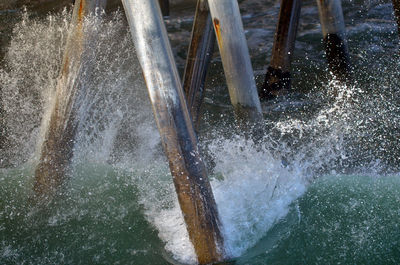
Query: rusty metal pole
<point x="333" y="30"/>
<point x="56" y="150"/>
<point x="396" y="7"/>
<point x="164" y="5"/>
<point x="236" y="60"/>
<point x="175" y="126"/>
<point x="277" y="78"/>
<point x="199" y="56"/>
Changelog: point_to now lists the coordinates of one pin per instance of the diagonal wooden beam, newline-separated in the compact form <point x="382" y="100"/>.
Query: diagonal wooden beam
<point x="199" y="56"/>
<point x="56" y="150"/>
<point x="175" y="126"/>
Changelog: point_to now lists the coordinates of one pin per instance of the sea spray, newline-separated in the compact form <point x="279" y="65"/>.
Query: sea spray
<point x="119" y="172"/>
<point x="28" y="81"/>
<point x="254" y="191"/>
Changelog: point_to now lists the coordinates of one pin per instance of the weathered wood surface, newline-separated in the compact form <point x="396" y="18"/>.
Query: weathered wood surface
<point x="56" y="150"/>
<point x="236" y="60"/>
<point x="175" y="126"/>
<point x="396" y="8"/>
<point x="333" y="31"/>
<point x="277" y="78"/>
<point x="198" y="59"/>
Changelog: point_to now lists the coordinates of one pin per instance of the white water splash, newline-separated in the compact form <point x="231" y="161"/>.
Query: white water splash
<point x="255" y="192"/>
<point x="116" y="125"/>
<point x="28" y="81"/>
<point x="252" y="184"/>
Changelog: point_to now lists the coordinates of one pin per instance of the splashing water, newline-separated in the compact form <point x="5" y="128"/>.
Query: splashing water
<point x="120" y="199"/>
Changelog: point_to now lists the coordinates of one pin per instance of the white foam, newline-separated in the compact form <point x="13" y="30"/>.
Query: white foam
<point x="172" y="230"/>
<point x="255" y="192"/>
<point x="117" y="125"/>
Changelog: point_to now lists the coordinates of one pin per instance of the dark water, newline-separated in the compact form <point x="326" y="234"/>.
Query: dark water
<point x="322" y="186"/>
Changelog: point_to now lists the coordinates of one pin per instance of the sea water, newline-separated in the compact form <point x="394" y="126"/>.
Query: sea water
<point x="322" y="186"/>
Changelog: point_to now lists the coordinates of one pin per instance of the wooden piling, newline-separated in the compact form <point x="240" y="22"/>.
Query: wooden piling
<point x="396" y="8"/>
<point x="175" y="126"/>
<point x="277" y="79"/>
<point x="164" y="5"/>
<point x="236" y="60"/>
<point x="56" y="150"/>
<point x="198" y="59"/>
<point x="333" y="30"/>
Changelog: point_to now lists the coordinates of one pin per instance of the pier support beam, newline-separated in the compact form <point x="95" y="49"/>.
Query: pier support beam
<point x="199" y="56"/>
<point x="56" y="150"/>
<point x="396" y="8"/>
<point x="277" y="79"/>
<point x="175" y="126"/>
<point x="333" y="30"/>
<point x="236" y="60"/>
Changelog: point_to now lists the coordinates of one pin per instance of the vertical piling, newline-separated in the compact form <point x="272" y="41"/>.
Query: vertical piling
<point x="396" y="8"/>
<point x="277" y="79"/>
<point x="175" y="126"/>
<point x="56" y="149"/>
<point x="199" y="56"/>
<point x="236" y="59"/>
<point x="333" y="30"/>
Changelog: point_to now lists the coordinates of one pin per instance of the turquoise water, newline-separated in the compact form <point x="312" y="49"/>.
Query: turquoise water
<point x="100" y="220"/>
<point x="339" y="220"/>
<point x="321" y="187"/>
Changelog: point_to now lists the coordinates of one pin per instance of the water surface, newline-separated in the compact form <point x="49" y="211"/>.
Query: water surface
<point x="321" y="187"/>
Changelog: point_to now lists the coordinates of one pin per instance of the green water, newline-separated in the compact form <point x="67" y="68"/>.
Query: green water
<point x="100" y="220"/>
<point x="302" y="197"/>
<point x="339" y="220"/>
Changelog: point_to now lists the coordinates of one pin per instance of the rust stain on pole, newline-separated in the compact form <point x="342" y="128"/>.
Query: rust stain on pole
<point x="176" y="129"/>
<point x="218" y="32"/>
<point x="236" y="62"/>
<point x="193" y="189"/>
<point x="80" y="11"/>
<point x="190" y="178"/>
<point x="57" y="147"/>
